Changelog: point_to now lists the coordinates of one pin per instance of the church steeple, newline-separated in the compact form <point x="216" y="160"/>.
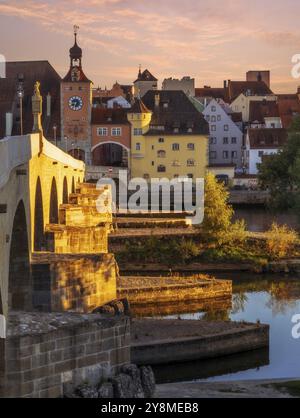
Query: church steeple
<point x="76" y="73"/>
<point x="76" y="51"/>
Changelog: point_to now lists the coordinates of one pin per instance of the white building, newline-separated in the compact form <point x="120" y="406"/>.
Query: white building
<point x="119" y="102"/>
<point x="226" y="137"/>
<point x="260" y="143"/>
<point x="186" y="84"/>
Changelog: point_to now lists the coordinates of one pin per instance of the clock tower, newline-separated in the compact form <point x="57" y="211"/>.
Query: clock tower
<point x="76" y="107"/>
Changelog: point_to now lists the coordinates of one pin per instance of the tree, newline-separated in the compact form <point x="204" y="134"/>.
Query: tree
<point x="280" y="173"/>
<point x="218" y="214"/>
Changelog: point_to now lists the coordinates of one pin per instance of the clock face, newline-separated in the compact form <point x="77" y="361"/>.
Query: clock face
<point x="76" y="103"/>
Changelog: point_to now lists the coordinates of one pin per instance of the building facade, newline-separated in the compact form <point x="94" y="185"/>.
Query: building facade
<point x="186" y="84"/>
<point x="260" y="143"/>
<point x="226" y="138"/>
<point x="144" y="82"/>
<point x="76" y="108"/>
<point x="169" y="137"/>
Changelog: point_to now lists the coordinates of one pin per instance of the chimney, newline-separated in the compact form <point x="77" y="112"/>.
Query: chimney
<point x="48" y="105"/>
<point x="225" y="84"/>
<point x="157" y="100"/>
<point x="9" y="124"/>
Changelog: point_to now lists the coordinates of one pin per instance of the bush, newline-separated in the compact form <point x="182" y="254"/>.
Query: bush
<point x="281" y="241"/>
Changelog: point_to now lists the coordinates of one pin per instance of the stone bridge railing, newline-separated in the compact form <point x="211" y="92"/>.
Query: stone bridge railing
<point x="15" y="151"/>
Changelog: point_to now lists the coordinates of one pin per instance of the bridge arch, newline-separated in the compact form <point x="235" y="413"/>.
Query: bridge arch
<point x="19" y="281"/>
<point x="39" y="236"/>
<point x="110" y="153"/>
<point x="65" y="197"/>
<point x="53" y="212"/>
<point x="73" y="185"/>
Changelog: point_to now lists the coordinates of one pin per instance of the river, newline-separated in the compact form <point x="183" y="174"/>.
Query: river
<point x="259" y="219"/>
<point x="271" y="300"/>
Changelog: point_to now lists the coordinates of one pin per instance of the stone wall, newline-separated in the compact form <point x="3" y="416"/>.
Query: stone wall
<point x="50" y="354"/>
<point x="80" y="283"/>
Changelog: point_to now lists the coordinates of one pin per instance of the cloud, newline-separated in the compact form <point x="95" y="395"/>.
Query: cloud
<point x="169" y="36"/>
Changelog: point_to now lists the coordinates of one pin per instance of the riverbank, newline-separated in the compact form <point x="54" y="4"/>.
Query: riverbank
<point x="282" y="266"/>
<point x="156" y="342"/>
<point x="244" y="389"/>
<point x="146" y="291"/>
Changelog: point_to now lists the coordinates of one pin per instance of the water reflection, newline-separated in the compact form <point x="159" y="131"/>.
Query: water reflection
<point x="259" y="219"/>
<point x="270" y="300"/>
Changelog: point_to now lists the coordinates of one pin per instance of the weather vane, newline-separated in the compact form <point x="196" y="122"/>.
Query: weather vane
<point x="76" y="28"/>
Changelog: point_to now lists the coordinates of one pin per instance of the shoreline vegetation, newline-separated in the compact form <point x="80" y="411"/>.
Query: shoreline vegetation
<point x="218" y="240"/>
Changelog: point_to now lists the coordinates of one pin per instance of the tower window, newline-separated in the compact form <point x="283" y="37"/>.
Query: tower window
<point x="116" y="131"/>
<point x="102" y="131"/>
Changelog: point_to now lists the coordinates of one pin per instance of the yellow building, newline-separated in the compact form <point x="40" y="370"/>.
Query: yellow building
<point x="169" y="137"/>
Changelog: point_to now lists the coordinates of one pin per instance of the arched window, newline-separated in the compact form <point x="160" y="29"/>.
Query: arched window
<point x="190" y="162"/>
<point x="53" y="215"/>
<point x="161" y="154"/>
<point x="161" y="169"/>
<point x="176" y="147"/>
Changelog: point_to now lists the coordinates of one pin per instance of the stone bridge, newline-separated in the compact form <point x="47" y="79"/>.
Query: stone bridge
<point x="45" y="230"/>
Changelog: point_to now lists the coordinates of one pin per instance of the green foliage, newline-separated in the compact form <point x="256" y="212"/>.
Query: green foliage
<point x="280" y="173"/>
<point x="281" y="241"/>
<point x="217" y="225"/>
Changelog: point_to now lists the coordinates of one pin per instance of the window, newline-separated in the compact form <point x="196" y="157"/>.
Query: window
<point x="213" y="119"/>
<point x="161" y="169"/>
<point x="137" y="132"/>
<point x="260" y="154"/>
<point x="213" y="128"/>
<point x="234" y="154"/>
<point x="208" y="118"/>
<point x="138" y="146"/>
<point x="161" y="154"/>
<point x="102" y="131"/>
<point x="190" y="163"/>
<point x="233" y="140"/>
<point x="213" y="155"/>
<point x="176" y="147"/>
<point x="152" y="163"/>
<point x="161" y="140"/>
<point x="213" y="108"/>
<point x="226" y="128"/>
<point x="116" y="131"/>
<point x="225" y="155"/>
<point x="190" y="176"/>
<point x="213" y="140"/>
<point x="191" y="147"/>
<point x="146" y="176"/>
<point x="176" y="163"/>
<point x="219" y="118"/>
<point x="225" y="140"/>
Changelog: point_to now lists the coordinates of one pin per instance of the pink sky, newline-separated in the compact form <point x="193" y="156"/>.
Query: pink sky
<point x="209" y="40"/>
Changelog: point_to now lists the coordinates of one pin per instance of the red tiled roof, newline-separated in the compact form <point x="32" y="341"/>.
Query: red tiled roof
<point x="139" y="107"/>
<point x="102" y="116"/>
<point x="267" y="138"/>
<point x="289" y="108"/>
<point x="251" y="88"/>
<point x="212" y="92"/>
<point x="145" y="76"/>
<point x="236" y="117"/>
<point x="175" y="113"/>
<point x="259" y="110"/>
